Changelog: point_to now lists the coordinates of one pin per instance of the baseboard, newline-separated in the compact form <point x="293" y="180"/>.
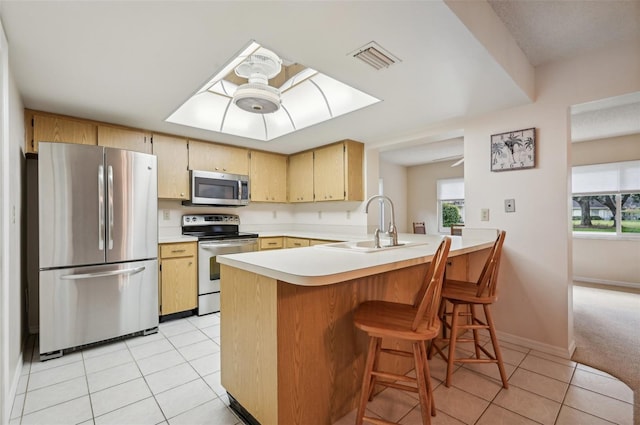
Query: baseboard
<point x="607" y="282"/>
<point x="565" y="353"/>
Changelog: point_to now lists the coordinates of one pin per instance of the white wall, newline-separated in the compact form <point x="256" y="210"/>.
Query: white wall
<point x="600" y="259"/>
<point x="422" y="203"/>
<point x="11" y="280"/>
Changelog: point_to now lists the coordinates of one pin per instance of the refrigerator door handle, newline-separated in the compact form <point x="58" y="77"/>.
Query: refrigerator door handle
<point x="110" y="192"/>
<point x="132" y="271"/>
<point x="101" y="207"/>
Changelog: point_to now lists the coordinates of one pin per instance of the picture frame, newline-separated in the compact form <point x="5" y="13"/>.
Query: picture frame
<point x="513" y="150"/>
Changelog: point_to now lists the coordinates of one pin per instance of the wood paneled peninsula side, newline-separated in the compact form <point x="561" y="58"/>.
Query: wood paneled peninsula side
<point x="290" y="352"/>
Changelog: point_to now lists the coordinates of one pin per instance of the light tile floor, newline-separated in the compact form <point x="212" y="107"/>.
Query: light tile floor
<point x="173" y="377"/>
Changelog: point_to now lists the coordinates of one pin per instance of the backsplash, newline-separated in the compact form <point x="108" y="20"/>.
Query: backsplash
<point x="325" y="217"/>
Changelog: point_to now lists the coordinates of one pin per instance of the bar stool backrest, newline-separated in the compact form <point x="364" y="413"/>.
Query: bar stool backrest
<point x="427" y="299"/>
<point x="488" y="280"/>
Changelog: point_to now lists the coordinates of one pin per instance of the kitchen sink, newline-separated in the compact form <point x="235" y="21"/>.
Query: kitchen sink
<point x="367" y="246"/>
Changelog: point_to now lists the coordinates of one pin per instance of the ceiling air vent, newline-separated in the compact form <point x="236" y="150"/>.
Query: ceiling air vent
<point x="375" y="56"/>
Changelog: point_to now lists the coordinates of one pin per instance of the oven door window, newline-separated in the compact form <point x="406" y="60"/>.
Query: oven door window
<point x="214" y="269"/>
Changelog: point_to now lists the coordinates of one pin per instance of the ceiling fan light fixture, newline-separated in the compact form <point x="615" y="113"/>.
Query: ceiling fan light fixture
<point x="257" y="96"/>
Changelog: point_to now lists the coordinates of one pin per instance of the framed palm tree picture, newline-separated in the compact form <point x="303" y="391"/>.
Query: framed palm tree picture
<point x="513" y="150"/>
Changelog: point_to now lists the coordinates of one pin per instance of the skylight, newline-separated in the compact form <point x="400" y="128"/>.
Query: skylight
<point x="307" y="97"/>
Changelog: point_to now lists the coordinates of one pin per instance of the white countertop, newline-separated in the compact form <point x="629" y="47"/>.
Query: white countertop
<point x="318" y="265"/>
<point x="314" y="235"/>
<point x="173" y="238"/>
<point x="176" y="238"/>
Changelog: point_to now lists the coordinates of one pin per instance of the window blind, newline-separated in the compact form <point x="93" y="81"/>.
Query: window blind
<point x="606" y="178"/>
<point x="450" y="189"/>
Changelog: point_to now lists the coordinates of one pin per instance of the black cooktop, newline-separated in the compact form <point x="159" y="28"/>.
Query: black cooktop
<point x="214" y="227"/>
<point x="202" y="236"/>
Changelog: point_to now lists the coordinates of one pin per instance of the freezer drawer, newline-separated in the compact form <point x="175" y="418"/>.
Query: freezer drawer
<point x="84" y="305"/>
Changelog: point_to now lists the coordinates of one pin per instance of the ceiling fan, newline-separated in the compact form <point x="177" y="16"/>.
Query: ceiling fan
<point x="257" y="96"/>
<point x="458" y="162"/>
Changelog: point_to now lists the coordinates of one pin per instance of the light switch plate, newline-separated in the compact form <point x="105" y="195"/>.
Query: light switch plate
<point x="509" y="205"/>
<point x="484" y="214"/>
<point x="166" y="214"/>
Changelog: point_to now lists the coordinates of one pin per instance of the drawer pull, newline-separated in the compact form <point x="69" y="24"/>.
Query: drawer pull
<point x="178" y="250"/>
<point x="272" y="243"/>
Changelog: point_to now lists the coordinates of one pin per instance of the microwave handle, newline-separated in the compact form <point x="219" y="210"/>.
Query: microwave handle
<point x="239" y="190"/>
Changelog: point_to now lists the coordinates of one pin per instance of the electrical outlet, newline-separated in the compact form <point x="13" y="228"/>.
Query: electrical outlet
<point x="484" y="214"/>
<point x="348" y="215"/>
<point x="275" y="215"/>
<point x="319" y="215"/>
<point x="509" y="205"/>
<point x="166" y="214"/>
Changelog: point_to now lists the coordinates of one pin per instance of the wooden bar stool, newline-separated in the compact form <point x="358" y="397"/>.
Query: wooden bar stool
<point x="461" y="294"/>
<point x="419" y="227"/>
<point x="417" y="323"/>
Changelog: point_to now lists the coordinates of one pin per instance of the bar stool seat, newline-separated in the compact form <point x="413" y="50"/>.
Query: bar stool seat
<point x="416" y="323"/>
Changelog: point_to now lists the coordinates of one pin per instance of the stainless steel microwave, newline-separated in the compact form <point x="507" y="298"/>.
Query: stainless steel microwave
<point x="218" y="189"/>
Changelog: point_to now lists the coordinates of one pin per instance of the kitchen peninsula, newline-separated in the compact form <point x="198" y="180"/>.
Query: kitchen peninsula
<point x="290" y="353"/>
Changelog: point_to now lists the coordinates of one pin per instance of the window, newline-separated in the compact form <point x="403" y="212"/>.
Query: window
<point x="606" y="198"/>
<point x="450" y="203"/>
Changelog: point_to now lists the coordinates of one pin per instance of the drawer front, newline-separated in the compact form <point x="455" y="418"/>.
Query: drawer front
<point x="183" y="249"/>
<point x="296" y="242"/>
<point x="271" y="243"/>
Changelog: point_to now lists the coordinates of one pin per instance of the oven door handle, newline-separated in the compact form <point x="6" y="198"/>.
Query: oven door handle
<point x="214" y="245"/>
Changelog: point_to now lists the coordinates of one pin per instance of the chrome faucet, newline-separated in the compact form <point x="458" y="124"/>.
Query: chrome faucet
<point x="392" y="232"/>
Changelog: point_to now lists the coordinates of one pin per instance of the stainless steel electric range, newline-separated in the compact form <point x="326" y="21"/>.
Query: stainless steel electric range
<point x="217" y="234"/>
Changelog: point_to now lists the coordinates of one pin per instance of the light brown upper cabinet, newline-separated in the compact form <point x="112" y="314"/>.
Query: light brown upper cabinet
<point x="301" y="177"/>
<point x="53" y="128"/>
<point x="123" y="138"/>
<point x="173" y="166"/>
<point x="337" y="172"/>
<point x="206" y="156"/>
<point x="268" y="177"/>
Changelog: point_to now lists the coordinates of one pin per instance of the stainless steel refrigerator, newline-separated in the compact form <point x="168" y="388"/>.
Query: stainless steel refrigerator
<point x="98" y="245"/>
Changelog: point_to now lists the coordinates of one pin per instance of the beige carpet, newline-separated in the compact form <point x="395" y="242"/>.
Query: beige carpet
<point x="607" y="333"/>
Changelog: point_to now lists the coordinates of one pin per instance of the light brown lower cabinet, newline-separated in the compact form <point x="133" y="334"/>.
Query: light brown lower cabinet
<point x="178" y="277"/>
<point x="279" y="242"/>
<point x="290" y="242"/>
<point x="274" y="242"/>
